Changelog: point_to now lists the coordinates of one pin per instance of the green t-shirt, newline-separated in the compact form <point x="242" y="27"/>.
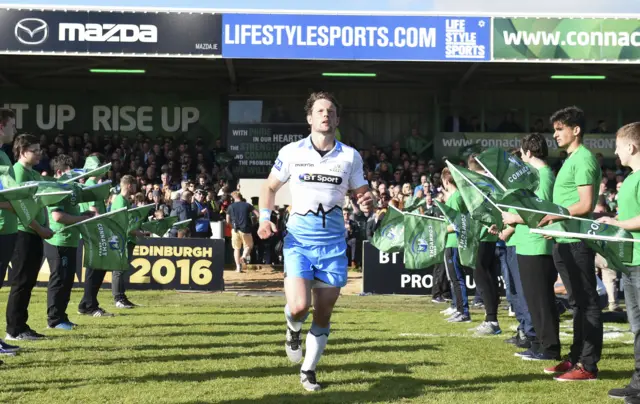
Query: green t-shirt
<point x="100" y="206"/>
<point x="69" y="238"/>
<point x="454" y="202"/>
<point x="8" y="220"/>
<point x="629" y="207"/>
<point x="120" y="202"/>
<point x="579" y="169"/>
<point x="24" y="174"/>
<point x="530" y="243"/>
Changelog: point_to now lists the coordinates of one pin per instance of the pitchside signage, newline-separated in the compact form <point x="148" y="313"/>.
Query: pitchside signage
<point x="385" y="274"/>
<point x="166" y="263"/>
<point x="118" y="33"/>
<point x="256" y="146"/>
<point x="356" y="37"/>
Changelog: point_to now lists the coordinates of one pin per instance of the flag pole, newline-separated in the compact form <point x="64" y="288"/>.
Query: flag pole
<point x="87" y="174"/>
<point x="7" y="190"/>
<point x="182" y="222"/>
<point x="140" y="207"/>
<point x="546" y="213"/>
<point x="490" y="174"/>
<point x="91" y="219"/>
<point x="451" y="166"/>
<point x="425" y="216"/>
<point x="567" y="234"/>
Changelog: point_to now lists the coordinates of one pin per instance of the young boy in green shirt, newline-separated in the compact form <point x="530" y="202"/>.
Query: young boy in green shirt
<point x="628" y="150"/>
<point x="576" y="189"/>
<point x="61" y="251"/>
<point x="28" y="252"/>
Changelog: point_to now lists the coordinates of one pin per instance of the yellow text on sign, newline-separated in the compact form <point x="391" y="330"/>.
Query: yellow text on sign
<point x="164" y="271"/>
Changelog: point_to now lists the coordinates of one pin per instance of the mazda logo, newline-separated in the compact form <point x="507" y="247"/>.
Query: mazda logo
<point x="31" y="31"/>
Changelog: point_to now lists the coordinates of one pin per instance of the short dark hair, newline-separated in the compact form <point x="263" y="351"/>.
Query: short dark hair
<point x="320" y="95"/>
<point x="570" y="116"/>
<point x="536" y="144"/>
<point x="61" y="162"/>
<point x="6" y="113"/>
<point x="22" y="143"/>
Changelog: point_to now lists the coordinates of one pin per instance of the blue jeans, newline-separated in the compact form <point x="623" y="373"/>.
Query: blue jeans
<point x="501" y="253"/>
<point x="632" y="299"/>
<point x="517" y="295"/>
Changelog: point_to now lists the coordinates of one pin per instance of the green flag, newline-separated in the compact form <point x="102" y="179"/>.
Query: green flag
<point x="480" y="194"/>
<point x="79" y="173"/>
<point x="92" y="193"/>
<point x="468" y="232"/>
<point x="531" y="208"/>
<point x="52" y="193"/>
<point x="389" y="236"/>
<point x="424" y="241"/>
<point x="159" y="227"/>
<point x="10" y="190"/>
<point x="105" y="241"/>
<point x="91" y="163"/>
<point x="509" y="170"/>
<point x="616" y="252"/>
<point x="415" y="204"/>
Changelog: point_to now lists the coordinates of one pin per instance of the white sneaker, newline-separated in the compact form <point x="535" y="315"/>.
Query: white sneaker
<point x="308" y="380"/>
<point x="293" y="346"/>
<point x="238" y="269"/>
<point x="511" y="312"/>
<point x="449" y="311"/>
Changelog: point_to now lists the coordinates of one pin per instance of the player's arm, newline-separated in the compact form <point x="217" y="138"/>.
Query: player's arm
<point x="358" y="184"/>
<point x="6" y="206"/>
<point x="268" y="192"/>
<point x="66" y="219"/>
<point x="277" y="178"/>
<point x="583" y="206"/>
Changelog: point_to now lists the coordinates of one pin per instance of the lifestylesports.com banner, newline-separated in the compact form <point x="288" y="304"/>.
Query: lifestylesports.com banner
<point x="566" y="39"/>
<point x="461" y="145"/>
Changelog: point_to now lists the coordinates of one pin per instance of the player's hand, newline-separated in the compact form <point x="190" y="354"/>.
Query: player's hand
<point x="494" y="229"/>
<point x="45" y="233"/>
<point x="266" y="229"/>
<point x="510" y="218"/>
<point x="607" y="220"/>
<point x="365" y="199"/>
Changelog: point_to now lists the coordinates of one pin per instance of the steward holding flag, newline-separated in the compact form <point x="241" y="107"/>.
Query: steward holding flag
<point x="455" y="271"/>
<point x="8" y="219"/>
<point x="576" y="188"/>
<point x="61" y="251"/>
<point x="628" y="151"/>
<point x="484" y="275"/>
<point x="538" y="273"/>
<point x="93" y="278"/>
<point x="122" y="200"/>
<point x="28" y="253"/>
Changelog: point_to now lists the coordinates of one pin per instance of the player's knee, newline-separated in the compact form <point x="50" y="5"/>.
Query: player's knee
<point x="299" y="309"/>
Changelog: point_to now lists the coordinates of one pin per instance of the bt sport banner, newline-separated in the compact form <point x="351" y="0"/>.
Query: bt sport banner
<point x="113" y="33"/>
<point x="356" y="37"/>
<point x="566" y="39"/>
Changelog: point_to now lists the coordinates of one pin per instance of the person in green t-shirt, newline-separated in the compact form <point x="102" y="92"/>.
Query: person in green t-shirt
<point x="628" y="150"/>
<point x="28" y="252"/>
<point x="484" y="275"/>
<point x="534" y="254"/>
<point x="61" y="251"/>
<point x="93" y="278"/>
<point x="460" y="303"/>
<point x="576" y="189"/>
<point x="8" y="219"/>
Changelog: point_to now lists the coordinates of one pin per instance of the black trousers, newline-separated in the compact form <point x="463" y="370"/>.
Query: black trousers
<point x="118" y="279"/>
<point x="62" y="265"/>
<point x="441" y="287"/>
<point x="486" y="279"/>
<point x="575" y="263"/>
<point x="538" y="275"/>
<point x="25" y="265"/>
<point x="93" y="279"/>
<point x="7" y="245"/>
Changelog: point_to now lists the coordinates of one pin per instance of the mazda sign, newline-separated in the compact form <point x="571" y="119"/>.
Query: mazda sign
<point x="31" y="31"/>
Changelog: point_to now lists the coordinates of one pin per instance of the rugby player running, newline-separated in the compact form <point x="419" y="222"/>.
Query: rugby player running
<point x="322" y="171"/>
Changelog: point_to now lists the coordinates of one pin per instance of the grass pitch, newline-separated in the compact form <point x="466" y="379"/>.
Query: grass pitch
<point x="222" y="348"/>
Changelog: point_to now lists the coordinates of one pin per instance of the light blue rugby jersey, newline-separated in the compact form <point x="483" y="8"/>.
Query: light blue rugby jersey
<point x="318" y="186"/>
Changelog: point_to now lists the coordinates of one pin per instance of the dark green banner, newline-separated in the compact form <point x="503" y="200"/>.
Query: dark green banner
<point x="124" y="113"/>
<point x="584" y="39"/>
